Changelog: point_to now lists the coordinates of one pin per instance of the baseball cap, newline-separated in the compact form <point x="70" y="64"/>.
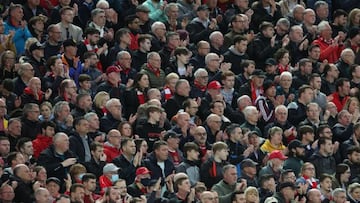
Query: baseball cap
<point x="203" y="8"/>
<point x="53" y="179"/>
<point x="111" y="69"/>
<point x="35" y="46"/>
<point x="270" y="61"/>
<point x="295" y="144"/>
<point x="288" y="184"/>
<point x="214" y="85"/>
<point x="258" y="73"/>
<point x="248" y="163"/>
<point x="142" y="8"/>
<point x="142" y="171"/>
<point x="69" y="43"/>
<point x="171" y="134"/>
<point x="277" y="154"/>
<point x="110" y="168"/>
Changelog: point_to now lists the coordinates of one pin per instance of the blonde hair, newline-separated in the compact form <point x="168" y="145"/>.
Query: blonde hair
<point x="100" y="98"/>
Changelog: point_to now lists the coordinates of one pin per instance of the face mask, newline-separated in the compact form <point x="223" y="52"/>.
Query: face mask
<point x="81" y="176"/>
<point x="114" y="177"/>
<point x="145" y="181"/>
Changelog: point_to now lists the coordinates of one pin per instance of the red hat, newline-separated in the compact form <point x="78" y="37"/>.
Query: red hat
<point x="142" y="171"/>
<point x="111" y="69"/>
<point x="214" y="85"/>
<point x="277" y="154"/>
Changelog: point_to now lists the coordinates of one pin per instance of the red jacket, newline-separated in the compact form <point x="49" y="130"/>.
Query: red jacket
<point x="40" y="144"/>
<point x="338" y="102"/>
<point x="111" y="152"/>
<point x="331" y="53"/>
<point x="104" y="183"/>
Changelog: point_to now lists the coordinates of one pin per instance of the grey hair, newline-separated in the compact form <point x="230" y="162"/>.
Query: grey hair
<point x="209" y="56"/>
<point x="121" y="54"/>
<point x="318" y="4"/>
<point x="89" y="115"/>
<point x="283" y="21"/>
<point x="170" y="5"/>
<point x="58" y="107"/>
<point x="280" y="107"/>
<point x="285" y="73"/>
<point x="337" y="191"/>
<point x="322" y="25"/>
<point x="110" y="102"/>
<point x="156" y="25"/>
<point x="248" y="110"/>
<point x="102" y="2"/>
<point x="151" y="54"/>
<point x="96" y="11"/>
<point x="22" y="67"/>
<point x="28" y="108"/>
<point x="215" y="34"/>
<point x="198" y="71"/>
<point x="343" y="52"/>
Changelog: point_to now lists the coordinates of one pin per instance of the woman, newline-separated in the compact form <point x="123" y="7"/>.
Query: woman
<point x="136" y="96"/>
<point x="40" y="175"/>
<point x="125" y="129"/>
<point x="8" y="70"/>
<point x="274" y="142"/>
<point x="142" y="146"/>
<point x="352" y="105"/>
<point x="100" y="100"/>
<point x="46" y="111"/>
<point x="181" y="64"/>
<point x="76" y="172"/>
<point x="342" y="176"/>
<point x="354" y="193"/>
<point x="55" y="75"/>
<point x="308" y="176"/>
<point x="354" y="18"/>
<point x="252" y="195"/>
<point x="285" y="88"/>
<point x="282" y="57"/>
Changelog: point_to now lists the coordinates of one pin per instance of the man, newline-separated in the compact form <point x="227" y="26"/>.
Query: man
<point x="216" y="163"/>
<point x="323" y="160"/>
<point x="128" y="161"/>
<point x="330" y="48"/>
<point x="237" y="146"/>
<point x="139" y="56"/>
<point x="132" y="22"/>
<point x="71" y="61"/>
<point x="308" y="24"/>
<point x="182" y="91"/>
<point x="158" y="31"/>
<point x="239" y="25"/>
<point x="295" y="156"/>
<point x="339" y="22"/>
<point x="25" y="147"/>
<point x="304" y="73"/>
<point x="265" y="10"/>
<point x="112" y="194"/>
<point x="355" y="81"/>
<point x="141" y="184"/>
<point x="213" y="126"/>
<point x="286" y="192"/>
<point x="113" y="83"/>
<point x="61" y="113"/>
<point x="90" y="44"/>
<point x="354" y="139"/>
<point x="191" y="107"/>
<point x="216" y="43"/>
<point x="319" y="97"/>
<point x="114" y="116"/>
<point x="267" y="186"/>
<point x="314" y="196"/>
<point x="237" y="53"/>
<point x="251" y="119"/>
<point x="274" y="165"/>
<point x="342" y="93"/>
<point x="184" y="192"/>
<point x="207" y="197"/>
<point x="79" y="141"/>
<point x="94" y="125"/>
<point x="347" y="59"/>
<point x="343" y="129"/>
<point x="57" y="166"/>
<point x="167" y="52"/>
<point x="98" y="158"/>
<point x="98" y="21"/>
<point x="154" y="70"/>
<point x="297" y="46"/>
<point x="247" y="67"/>
<point x="339" y="195"/>
<point x="313" y="116"/>
<point x="173" y="140"/>
<point x="14" y="132"/>
<point x="198" y="88"/>
<point x="25" y="72"/>
<point x="89" y="182"/>
<point x="123" y="41"/>
<point x="23" y="177"/>
<point x="127" y="73"/>
<point x="36" y="59"/>
<point x="228" y="184"/>
<point x="331" y="74"/>
<point x="77" y="193"/>
<point x="248" y="172"/>
<point x="200" y="138"/>
<point x="353" y="42"/>
<point x="297" y="109"/>
<point x="189" y="165"/>
<point x="83" y="105"/>
<point x="256" y="81"/>
<point x="4" y="148"/>
<point x="42" y="195"/>
<point x="160" y="157"/>
<point x="201" y="27"/>
<point x="3" y="117"/>
<point x="16" y="15"/>
<point x="306" y="136"/>
<point x="353" y="160"/>
<point x="29" y="122"/>
<point x="112" y="146"/>
<point x="68" y="29"/>
<point x="198" y="60"/>
<point x="7" y="194"/>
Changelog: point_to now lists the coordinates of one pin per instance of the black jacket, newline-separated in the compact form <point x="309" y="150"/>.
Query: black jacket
<point x="211" y="172"/>
<point x="197" y="31"/>
<point x="260" y="15"/>
<point x="173" y="105"/>
<point x="127" y="169"/>
<point x="235" y="58"/>
<point x="156" y="172"/>
<point x="23" y="192"/>
<point x="323" y="164"/>
<point x="108" y="122"/>
<point x="77" y="146"/>
<point x="260" y="50"/>
<point x="30" y="129"/>
<point x="52" y="162"/>
<point x="94" y="167"/>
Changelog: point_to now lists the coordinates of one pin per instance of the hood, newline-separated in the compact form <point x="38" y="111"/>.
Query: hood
<point x="234" y="51"/>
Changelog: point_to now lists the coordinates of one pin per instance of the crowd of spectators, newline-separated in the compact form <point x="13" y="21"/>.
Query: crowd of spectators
<point x="194" y="101"/>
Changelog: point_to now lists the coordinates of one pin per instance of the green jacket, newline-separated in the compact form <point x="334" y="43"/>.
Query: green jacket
<point x="155" y="81"/>
<point x="224" y="191"/>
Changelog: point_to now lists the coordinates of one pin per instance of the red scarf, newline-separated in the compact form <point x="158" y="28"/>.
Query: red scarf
<point x="28" y="91"/>
<point x="167" y="93"/>
<point x="93" y="48"/>
<point x="156" y="71"/>
<point x="140" y="96"/>
<point x="283" y="68"/>
<point x="253" y="92"/>
<point x="313" y="183"/>
<point x="327" y="41"/>
<point x="197" y="85"/>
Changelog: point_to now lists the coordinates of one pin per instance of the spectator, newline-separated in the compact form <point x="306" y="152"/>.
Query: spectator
<point x="256" y="81"/>
<point x="323" y="160"/>
<point x="68" y="29"/>
<point x="29" y="122"/>
<point x="182" y="90"/>
<point x="189" y="165"/>
<point x="274" y="141"/>
<point x="295" y="156"/>
<point x="139" y="55"/>
<point x="113" y="145"/>
<point x="308" y="176"/>
<point x="153" y="69"/>
<point x="114" y="116"/>
<point x="122" y="42"/>
<point x="248" y="172"/>
<point x="274" y="164"/>
<point x="239" y="25"/>
<point x="236" y="53"/>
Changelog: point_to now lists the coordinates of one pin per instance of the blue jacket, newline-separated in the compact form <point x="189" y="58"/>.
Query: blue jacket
<point x="21" y="35"/>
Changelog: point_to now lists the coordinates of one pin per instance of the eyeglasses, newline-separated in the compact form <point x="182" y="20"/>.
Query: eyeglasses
<point x="202" y="134"/>
<point x="204" y="77"/>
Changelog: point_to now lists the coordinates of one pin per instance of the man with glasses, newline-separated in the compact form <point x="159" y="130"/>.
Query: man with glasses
<point x="200" y="138"/>
<point x="30" y="124"/>
<point x="26" y="72"/>
<point x="198" y="88"/>
<point x="198" y="60"/>
<point x="68" y="29"/>
<point x="53" y="42"/>
<point x="239" y="25"/>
